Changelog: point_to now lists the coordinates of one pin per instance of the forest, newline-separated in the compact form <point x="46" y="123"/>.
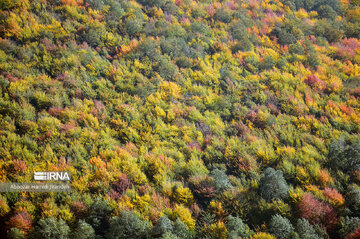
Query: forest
<point x="181" y="119"/>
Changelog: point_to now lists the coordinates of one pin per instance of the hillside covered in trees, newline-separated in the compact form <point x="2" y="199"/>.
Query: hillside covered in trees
<point x="181" y="119"/>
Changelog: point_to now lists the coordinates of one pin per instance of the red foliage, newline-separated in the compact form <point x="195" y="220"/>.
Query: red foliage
<point x="202" y="187"/>
<point x="355" y="92"/>
<point x="79" y="209"/>
<point x="314" y="82"/>
<point x="11" y="77"/>
<point x="347" y="49"/>
<point x="354" y="235"/>
<point x="242" y="129"/>
<point x="55" y="111"/>
<point x="210" y="11"/>
<point x="49" y="46"/>
<point x="179" y="2"/>
<point x="21" y="221"/>
<point x="317" y="212"/>
<point x="120" y="186"/>
<point x="195" y="210"/>
<point x="79" y="94"/>
<point x="195" y="145"/>
<point x="230" y="4"/>
<point x="19" y="166"/>
<point x="68" y="126"/>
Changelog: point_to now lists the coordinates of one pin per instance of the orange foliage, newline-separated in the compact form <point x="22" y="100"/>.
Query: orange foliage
<point x="333" y="196"/>
<point x="21" y="221"/>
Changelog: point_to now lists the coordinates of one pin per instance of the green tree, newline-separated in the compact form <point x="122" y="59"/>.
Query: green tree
<point x="306" y="230"/>
<point x="128" y="225"/>
<point x="163" y="225"/>
<point x="50" y="228"/>
<point x="83" y="231"/>
<point x="97" y="217"/>
<point x="15" y="233"/>
<point x="237" y="228"/>
<point x="353" y="201"/>
<point x="273" y="185"/>
<point x="280" y="226"/>
<point x="221" y="180"/>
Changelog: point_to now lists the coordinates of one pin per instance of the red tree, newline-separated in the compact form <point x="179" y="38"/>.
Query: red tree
<point x="318" y="212"/>
<point x="21" y="221"/>
<point x="354" y="235"/>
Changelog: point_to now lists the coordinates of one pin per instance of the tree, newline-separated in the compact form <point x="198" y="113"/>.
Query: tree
<point x="353" y="201"/>
<point x="163" y="225"/>
<point x="273" y="185"/>
<point x="237" y="228"/>
<point x="15" y="233"/>
<point x="354" y="235"/>
<point x="262" y="235"/>
<point x="22" y="221"/>
<point x="169" y="235"/>
<point x="203" y="188"/>
<point x="348" y="225"/>
<point x="133" y="26"/>
<point x="182" y="230"/>
<point x="167" y="69"/>
<point x="119" y="187"/>
<point x="50" y="228"/>
<point x="83" y="231"/>
<point x="306" y="230"/>
<point x="317" y="212"/>
<point x="280" y="227"/>
<point x="98" y="215"/>
<point x="221" y="180"/>
<point x="345" y="153"/>
<point x="127" y="225"/>
<point x="325" y="11"/>
<point x="222" y="15"/>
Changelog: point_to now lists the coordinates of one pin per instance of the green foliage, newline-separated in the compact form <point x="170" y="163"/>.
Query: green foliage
<point x="349" y="225"/>
<point x="181" y="230"/>
<point x="127" y="225"/>
<point x="280" y="227"/>
<point x="15" y="233"/>
<point x="306" y="230"/>
<point x="353" y="201"/>
<point x="237" y="228"/>
<point x="52" y="228"/>
<point x="221" y="180"/>
<point x="163" y="226"/>
<point x="83" y="231"/>
<point x="273" y="185"/>
<point x="98" y="214"/>
<point x="222" y="15"/>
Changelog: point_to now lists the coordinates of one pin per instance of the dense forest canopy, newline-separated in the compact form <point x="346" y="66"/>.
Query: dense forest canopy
<point x="181" y="118"/>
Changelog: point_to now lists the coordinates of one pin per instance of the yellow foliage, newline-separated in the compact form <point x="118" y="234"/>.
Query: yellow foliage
<point x="141" y="202"/>
<point x="160" y="112"/>
<point x="217" y="208"/>
<point x="263" y="235"/>
<point x="185" y="215"/>
<point x="302" y="176"/>
<point x="170" y="90"/>
<point x="182" y="195"/>
<point x="67" y="215"/>
<point x="301" y="14"/>
<point x="4" y="207"/>
<point x="296" y="195"/>
<point x="218" y="230"/>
